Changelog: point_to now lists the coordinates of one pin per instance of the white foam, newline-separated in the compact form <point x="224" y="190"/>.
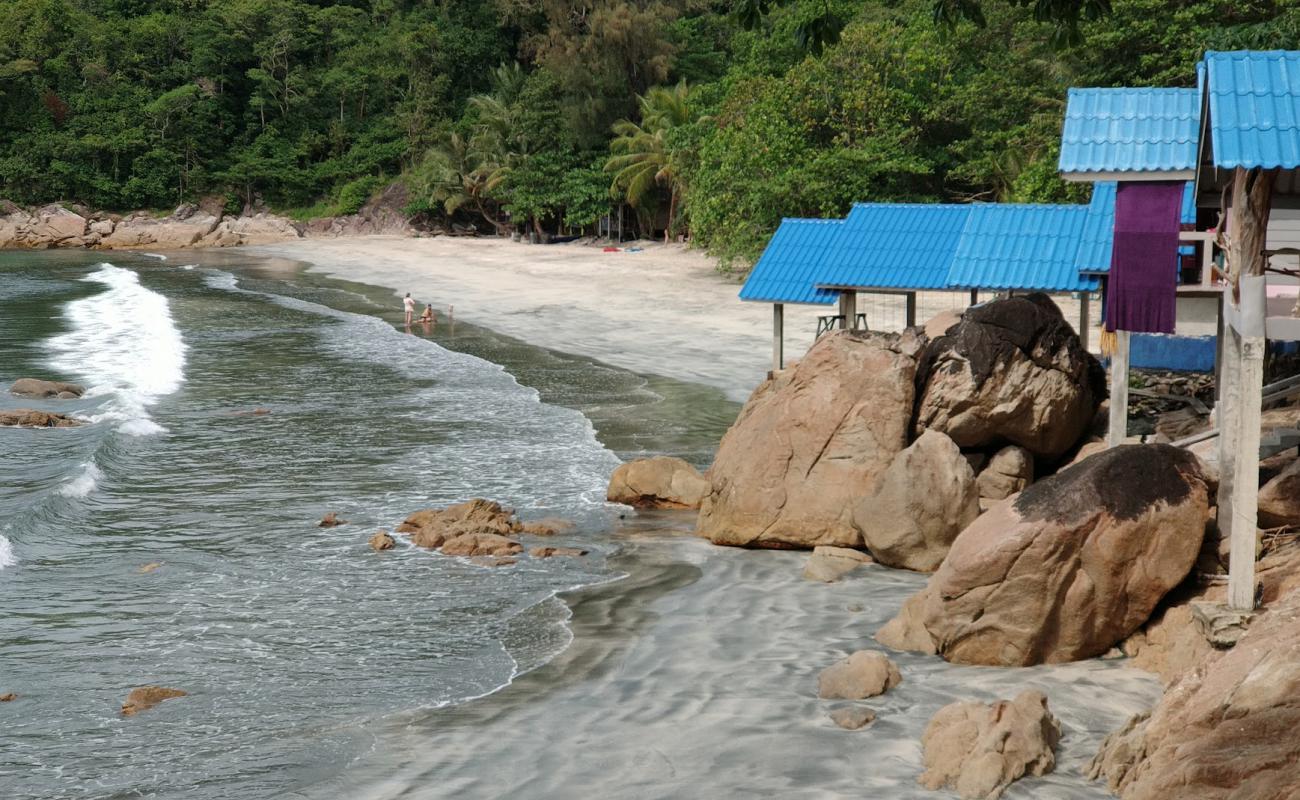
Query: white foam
<point x="84" y="483"/>
<point x="158" y="256"/>
<point x="7" y="557"/>
<point x="187" y="266"/>
<point x="124" y="343"/>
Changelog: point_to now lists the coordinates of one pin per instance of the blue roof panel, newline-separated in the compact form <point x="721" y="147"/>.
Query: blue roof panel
<point x="1254" y="107"/>
<point x="1130" y="130"/>
<point x="1007" y="246"/>
<point x="895" y="246"/>
<point x="787" y="270"/>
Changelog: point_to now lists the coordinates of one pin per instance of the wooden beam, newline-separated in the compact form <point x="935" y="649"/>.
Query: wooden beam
<point x="1084" y="300"/>
<point x="778" y="337"/>
<point x="1117" y="432"/>
<point x="848" y="308"/>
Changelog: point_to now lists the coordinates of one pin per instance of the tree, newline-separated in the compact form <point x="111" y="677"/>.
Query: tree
<point x="642" y="159"/>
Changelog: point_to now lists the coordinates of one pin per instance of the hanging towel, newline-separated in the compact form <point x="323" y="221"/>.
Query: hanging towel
<point x="1143" y="283"/>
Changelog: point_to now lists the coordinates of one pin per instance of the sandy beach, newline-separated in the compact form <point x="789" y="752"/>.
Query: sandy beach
<point x="664" y="310"/>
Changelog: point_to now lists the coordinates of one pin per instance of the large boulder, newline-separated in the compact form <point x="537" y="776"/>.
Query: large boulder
<point x="1067" y="568"/>
<point x="1012" y="371"/>
<point x="1225" y="730"/>
<point x="828" y="563"/>
<point x="978" y="750"/>
<point x="1010" y="470"/>
<point x="35" y="387"/>
<point x="184" y="227"/>
<point x="58" y="227"/>
<point x="923" y="500"/>
<point x="1279" y="499"/>
<point x="30" y="418"/>
<point x="433" y="527"/>
<point x="481" y="544"/>
<point x="863" y="674"/>
<point x="812" y="441"/>
<point x="262" y="227"/>
<point x="659" y="482"/>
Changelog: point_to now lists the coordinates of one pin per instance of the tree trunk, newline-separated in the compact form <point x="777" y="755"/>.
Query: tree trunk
<point x="1247" y="234"/>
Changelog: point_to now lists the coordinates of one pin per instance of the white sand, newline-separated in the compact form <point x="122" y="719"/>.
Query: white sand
<point x="664" y="311"/>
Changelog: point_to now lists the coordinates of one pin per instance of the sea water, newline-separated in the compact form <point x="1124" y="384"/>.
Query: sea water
<point x="171" y="539"/>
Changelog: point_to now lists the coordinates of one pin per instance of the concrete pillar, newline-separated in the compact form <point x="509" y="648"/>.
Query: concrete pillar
<point x="1243" y="372"/>
<point x="974" y="296"/>
<point x="911" y="309"/>
<point x="848" y="308"/>
<point x="1118" y="429"/>
<point x="778" y="336"/>
<point x="1085" y="299"/>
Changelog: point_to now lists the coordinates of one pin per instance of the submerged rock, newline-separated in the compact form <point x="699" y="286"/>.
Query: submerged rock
<point x="30" y="418"/>
<point x="863" y="674"/>
<point x="979" y="750"/>
<point x="546" y="527"/>
<point x="1066" y="569"/>
<point x="659" y="482"/>
<point x="493" y="561"/>
<point x="811" y="442"/>
<point x="551" y="552"/>
<point x="331" y="520"/>
<point x="382" y="541"/>
<point x="433" y="527"/>
<point x="152" y="566"/>
<point x="8" y="698"/>
<point x="852" y="718"/>
<point x="1011" y="370"/>
<point x="143" y="698"/>
<point x="35" y="387"/>
<point x="923" y="500"/>
<point x="828" y="564"/>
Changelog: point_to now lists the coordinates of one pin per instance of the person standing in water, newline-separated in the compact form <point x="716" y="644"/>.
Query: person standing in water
<point x="409" y="305"/>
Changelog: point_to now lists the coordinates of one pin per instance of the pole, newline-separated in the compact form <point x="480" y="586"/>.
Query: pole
<point x="848" y="308"/>
<point x="911" y="309"/>
<point x="1084" y="302"/>
<point x="1118" y="429"/>
<point x="974" y="296"/>
<point x="778" y="337"/>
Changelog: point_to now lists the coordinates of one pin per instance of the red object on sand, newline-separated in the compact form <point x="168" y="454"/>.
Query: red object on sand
<point x="611" y="250"/>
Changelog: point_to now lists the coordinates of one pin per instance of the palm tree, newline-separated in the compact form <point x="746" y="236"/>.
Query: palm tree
<point x="642" y="160"/>
<point x="457" y="173"/>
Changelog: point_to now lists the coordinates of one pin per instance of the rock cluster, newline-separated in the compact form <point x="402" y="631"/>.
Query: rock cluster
<point x="480" y="529"/>
<point x="979" y="749"/>
<point x="35" y="387"/>
<point x="31" y="418"/>
<point x="660" y="482"/>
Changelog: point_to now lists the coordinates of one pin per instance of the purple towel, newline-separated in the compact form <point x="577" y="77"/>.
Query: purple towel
<point x="1142" y="288"/>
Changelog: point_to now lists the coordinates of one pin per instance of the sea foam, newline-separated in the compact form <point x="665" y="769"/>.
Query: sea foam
<point x="7" y="557"/>
<point x="84" y="483"/>
<point x="122" y="342"/>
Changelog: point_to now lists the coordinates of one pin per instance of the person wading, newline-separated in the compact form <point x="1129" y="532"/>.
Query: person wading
<point x="409" y="305"/>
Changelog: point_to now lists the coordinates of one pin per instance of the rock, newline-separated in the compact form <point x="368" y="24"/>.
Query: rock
<point x="184" y="227"/>
<point x="1089" y="448"/>
<point x="381" y="541"/>
<point x="941" y="323"/>
<point x="30" y="418"/>
<point x="811" y="442"/>
<point x="432" y="527"/>
<point x="331" y="520"/>
<point x="1066" y="569"/>
<point x="143" y="698"/>
<point x="922" y="501"/>
<point x="150" y="567"/>
<point x="1013" y="371"/>
<point x="8" y="698"/>
<point x="1221" y="625"/>
<point x="546" y="527"/>
<point x="481" y="544"/>
<point x="1279" y="499"/>
<point x="101" y="227"/>
<point x="259" y="228"/>
<point x="381" y="215"/>
<point x="828" y="564"/>
<point x="55" y="225"/>
<point x="852" y="718"/>
<point x="1225" y="729"/>
<point x="1009" y="471"/>
<point x="659" y="482"/>
<point x="979" y="750"/>
<point x="34" y="387"/>
<point x="864" y="674"/>
<point x="493" y="561"/>
<point x="550" y="552"/>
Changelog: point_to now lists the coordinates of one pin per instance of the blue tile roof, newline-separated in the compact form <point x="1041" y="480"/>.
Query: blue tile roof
<point x="895" y="246"/>
<point x="787" y="270"/>
<point x="1130" y="130"/>
<point x="1007" y="246"/>
<point x="1098" y="233"/>
<point x="1254" y="108"/>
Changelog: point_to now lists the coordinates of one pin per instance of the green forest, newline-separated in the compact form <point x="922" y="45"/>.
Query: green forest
<point x="711" y="120"/>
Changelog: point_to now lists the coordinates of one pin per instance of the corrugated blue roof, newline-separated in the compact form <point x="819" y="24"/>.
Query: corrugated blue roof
<point x="895" y="246"/>
<point x="1254" y="107"/>
<point x="1098" y="234"/>
<point x="1009" y="246"/>
<point x="1130" y="130"/>
<point x="788" y="269"/>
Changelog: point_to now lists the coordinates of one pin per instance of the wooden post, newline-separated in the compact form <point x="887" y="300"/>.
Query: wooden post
<point x="848" y="308"/>
<point x="974" y="297"/>
<point x="911" y="309"/>
<point x="778" y="337"/>
<point x="1084" y="298"/>
<point x="1118" y="430"/>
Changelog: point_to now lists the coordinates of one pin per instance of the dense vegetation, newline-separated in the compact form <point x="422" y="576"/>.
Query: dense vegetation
<point x="709" y="118"/>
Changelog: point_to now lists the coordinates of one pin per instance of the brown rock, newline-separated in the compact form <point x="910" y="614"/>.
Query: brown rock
<point x="481" y="544"/>
<point x="923" y="500"/>
<point x="979" y="750"/>
<point x="941" y="323"/>
<point x="381" y="541"/>
<point x="864" y="674"/>
<point x="549" y="552"/>
<point x="811" y="442"/>
<point x="1012" y="371"/>
<point x="184" y="227"/>
<point x="1009" y="471"/>
<point x="1066" y="569"/>
<point x="828" y="564"/>
<point x="852" y="718"/>
<point x="8" y="698"/>
<point x="659" y="482"/>
<point x="1225" y="729"/>
<point x="34" y="387"/>
<point x="493" y="561"/>
<point x="30" y="418"/>
<point x="143" y="698"/>
<point x="546" y="527"/>
<point x="259" y="228"/>
<point x="331" y="520"/>
<point x="1279" y="499"/>
<point x="432" y="527"/>
<point x="150" y="567"/>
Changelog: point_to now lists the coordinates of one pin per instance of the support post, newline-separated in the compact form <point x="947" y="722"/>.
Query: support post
<point x="974" y="297"/>
<point x="848" y="308"/>
<point x="778" y="337"/>
<point x="911" y="309"/>
<point x="1085" y="299"/>
<point x="1118" y="429"/>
